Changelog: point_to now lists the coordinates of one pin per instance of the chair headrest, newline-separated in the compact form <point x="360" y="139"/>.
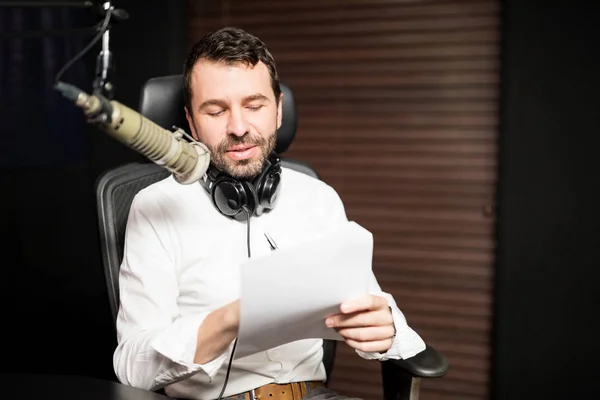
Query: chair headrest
<point x="162" y="102"/>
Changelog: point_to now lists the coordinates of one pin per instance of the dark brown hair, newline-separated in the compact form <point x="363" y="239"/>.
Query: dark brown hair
<point x="231" y="46"/>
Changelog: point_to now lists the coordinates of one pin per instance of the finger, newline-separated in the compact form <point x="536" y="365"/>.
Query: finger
<point x="380" y="346"/>
<point x="368" y="334"/>
<point x="364" y="303"/>
<point x="361" y="319"/>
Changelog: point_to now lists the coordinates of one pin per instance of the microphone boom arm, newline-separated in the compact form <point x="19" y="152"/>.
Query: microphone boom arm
<point x="105" y="62"/>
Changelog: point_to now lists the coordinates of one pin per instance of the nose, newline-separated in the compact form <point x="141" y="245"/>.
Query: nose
<point x="237" y="124"/>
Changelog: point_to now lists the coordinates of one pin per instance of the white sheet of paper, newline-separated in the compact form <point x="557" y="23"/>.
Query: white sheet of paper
<point x="286" y="295"/>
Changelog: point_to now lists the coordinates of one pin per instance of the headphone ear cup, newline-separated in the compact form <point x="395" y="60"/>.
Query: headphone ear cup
<point x="268" y="189"/>
<point x="231" y="196"/>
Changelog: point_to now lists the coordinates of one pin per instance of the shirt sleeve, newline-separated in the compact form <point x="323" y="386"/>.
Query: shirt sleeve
<point x="407" y="343"/>
<point x="156" y="345"/>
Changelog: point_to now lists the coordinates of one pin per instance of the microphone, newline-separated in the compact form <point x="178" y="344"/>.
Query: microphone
<point x="187" y="161"/>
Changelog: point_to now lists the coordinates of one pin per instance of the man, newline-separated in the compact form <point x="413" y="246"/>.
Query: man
<point x="179" y="282"/>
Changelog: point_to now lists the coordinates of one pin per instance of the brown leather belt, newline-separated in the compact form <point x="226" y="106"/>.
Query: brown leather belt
<point x="279" y="391"/>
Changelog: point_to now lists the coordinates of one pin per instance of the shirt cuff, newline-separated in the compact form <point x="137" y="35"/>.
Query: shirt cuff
<point x="406" y="344"/>
<point x="178" y="343"/>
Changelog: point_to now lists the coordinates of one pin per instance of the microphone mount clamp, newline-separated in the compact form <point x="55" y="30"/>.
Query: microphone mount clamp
<point x="105" y="66"/>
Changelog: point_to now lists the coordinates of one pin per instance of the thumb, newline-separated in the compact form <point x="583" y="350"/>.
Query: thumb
<point x="364" y="303"/>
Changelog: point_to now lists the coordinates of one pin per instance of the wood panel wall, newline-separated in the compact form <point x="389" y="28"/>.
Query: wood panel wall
<point x="397" y="104"/>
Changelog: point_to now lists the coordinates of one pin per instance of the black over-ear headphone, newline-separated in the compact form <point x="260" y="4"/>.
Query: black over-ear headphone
<point x="232" y="196"/>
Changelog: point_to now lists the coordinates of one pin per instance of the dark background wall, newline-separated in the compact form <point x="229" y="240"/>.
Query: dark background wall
<point x="548" y="266"/>
<point x="56" y="316"/>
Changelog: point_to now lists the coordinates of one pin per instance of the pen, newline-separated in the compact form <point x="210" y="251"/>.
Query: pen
<point x="271" y="241"/>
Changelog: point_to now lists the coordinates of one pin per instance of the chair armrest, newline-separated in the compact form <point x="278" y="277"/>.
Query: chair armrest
<point x="401" y="378"/>
<point x="429" y="363"/>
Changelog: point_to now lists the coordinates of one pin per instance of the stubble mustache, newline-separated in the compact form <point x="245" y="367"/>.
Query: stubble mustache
<point x="234" y="140"/>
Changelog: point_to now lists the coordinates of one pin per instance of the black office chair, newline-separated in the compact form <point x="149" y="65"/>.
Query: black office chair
<point x="162" y="102"/>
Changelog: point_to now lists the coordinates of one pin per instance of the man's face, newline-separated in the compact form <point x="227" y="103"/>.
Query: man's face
<point x="234" y="113"/>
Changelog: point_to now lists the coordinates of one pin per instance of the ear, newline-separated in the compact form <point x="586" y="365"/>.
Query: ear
<point x="190" y="120"/>
<point x="280" y="111"/>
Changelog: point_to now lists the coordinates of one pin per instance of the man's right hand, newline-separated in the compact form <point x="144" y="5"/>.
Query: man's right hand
<point x="216" y="332"/>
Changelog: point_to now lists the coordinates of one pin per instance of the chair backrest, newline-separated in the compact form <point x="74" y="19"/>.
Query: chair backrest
<point x="117" y="187"/>
<point x="115" y="191"/>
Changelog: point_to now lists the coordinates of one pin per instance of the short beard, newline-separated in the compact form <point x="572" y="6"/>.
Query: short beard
<point x="242" y="169"/>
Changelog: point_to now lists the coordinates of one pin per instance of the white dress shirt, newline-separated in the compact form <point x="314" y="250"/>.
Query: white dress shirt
<point x="180" y="261"/>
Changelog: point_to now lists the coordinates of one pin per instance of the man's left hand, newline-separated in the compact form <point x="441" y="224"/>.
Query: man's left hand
<point x="365" y="323"/>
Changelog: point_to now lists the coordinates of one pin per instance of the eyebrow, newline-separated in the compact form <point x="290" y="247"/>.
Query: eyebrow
<point x="212" y="102"/>
<point x="223" y="103"/>
<point x="255" y="97"/>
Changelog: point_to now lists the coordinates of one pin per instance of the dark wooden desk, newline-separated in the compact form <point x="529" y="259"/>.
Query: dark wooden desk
<point x="66" y="387"/>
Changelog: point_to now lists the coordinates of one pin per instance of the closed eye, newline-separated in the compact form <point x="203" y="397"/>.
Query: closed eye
<point x="255" y="108"/>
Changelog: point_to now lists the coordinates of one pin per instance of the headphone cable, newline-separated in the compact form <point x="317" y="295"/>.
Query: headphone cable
<point x="236" y="339"/>
<point x="228" y="369"/>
